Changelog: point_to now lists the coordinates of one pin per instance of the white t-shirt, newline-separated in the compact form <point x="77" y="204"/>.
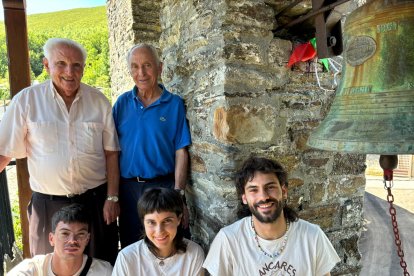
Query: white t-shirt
<point x="41" y="265"/>
<point x="234" y="251"/>
<point x="136" y="259"/>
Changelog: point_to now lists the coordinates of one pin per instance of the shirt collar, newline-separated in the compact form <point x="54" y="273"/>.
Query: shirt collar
<point x="165" y="95"/>
<point x="55" y="93"/>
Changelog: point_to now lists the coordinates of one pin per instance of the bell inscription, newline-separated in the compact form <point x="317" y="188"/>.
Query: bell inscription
<point x="360" y="48"/>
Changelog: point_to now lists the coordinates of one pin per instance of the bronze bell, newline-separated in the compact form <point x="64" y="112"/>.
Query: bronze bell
<point x="373" y="111"/>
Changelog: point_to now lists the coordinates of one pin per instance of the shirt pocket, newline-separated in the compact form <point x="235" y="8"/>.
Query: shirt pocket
<point x="42" y="137"/>
<point x="89" y="137"/>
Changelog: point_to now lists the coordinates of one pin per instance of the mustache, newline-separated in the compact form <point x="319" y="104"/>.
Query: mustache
<point x="267" y="201"/>
<point x="75" y="245"/>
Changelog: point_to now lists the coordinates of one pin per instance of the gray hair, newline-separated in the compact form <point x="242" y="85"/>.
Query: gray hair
<point x="146" y="46"/>
<point x="52" y="43"/>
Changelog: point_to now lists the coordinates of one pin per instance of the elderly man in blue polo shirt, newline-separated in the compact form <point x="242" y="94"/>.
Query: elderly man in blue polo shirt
<point x="153" y="134"/>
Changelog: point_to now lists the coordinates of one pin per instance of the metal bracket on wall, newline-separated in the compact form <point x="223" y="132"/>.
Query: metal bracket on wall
<point x="327" y="23"/>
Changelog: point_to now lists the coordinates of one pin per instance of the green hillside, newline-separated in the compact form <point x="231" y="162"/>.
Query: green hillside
<point x="76" y="18"/>
<point x="87" y="26"/>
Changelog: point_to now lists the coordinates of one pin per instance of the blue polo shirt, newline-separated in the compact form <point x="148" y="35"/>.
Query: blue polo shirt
<point x="149" y="136"/>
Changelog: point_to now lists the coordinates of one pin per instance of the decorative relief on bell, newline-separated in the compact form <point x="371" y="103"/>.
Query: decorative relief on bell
<point x="360" y="49"/>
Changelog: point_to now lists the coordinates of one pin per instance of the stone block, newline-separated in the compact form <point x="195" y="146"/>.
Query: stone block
<point x="316" y="161"/>
<point x="244" y="124"/>
<point x="300" y="139"/>
<point x="289" y="161"/>
<point x="295" y="183"/>
<point x="248" y="52"/>
<point x="345" y="163"/>
<point x="324" y="216"/>
<point x="318" y="192"/>
<point x="279" y="52"/>
<point x="347" y="186"/>
<point x="250" y="13"/>
<point x="197" y="164"/>
<point x="351" y="212"/>
<point x="239" y="33"/>
<point x="249" y="79"/>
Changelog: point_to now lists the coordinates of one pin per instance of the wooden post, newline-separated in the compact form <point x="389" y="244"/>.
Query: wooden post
<point x="19" y="77"/>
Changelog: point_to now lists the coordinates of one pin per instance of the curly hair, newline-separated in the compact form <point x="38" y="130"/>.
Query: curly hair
<point x="259" y="164"/>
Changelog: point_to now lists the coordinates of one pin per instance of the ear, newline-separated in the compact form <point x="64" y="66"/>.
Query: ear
<point x="160" y="66"/>
<point x="244" y="200"/>
<point x="180" y="219"/>
<point x="284" y="191"/>
<point x="46" y="65"/>
<point x="51" y="239"/>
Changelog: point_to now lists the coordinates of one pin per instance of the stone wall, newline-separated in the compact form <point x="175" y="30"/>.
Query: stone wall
<point x="221" y="57"/>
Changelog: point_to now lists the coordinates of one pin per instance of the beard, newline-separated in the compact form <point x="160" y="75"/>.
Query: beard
<point x="272" y="216"/>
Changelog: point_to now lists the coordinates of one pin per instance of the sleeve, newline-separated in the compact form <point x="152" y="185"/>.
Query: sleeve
<point x="327" y="257"/>
<point x="115" y="112"/>
<point x="183" y="136"/>
<point x="100" y="267"/>
<point x="219" y="260"/>
<point x="110" y="136"/>
<point x="25" y="268"/>
<point x="13" y="130"/>
<point x="197" y="266"/>
<point x="121" y="266"/>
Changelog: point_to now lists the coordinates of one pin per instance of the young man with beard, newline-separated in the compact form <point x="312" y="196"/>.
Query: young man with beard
<point x="273" y="240"/>
<point x="69" y="237"/>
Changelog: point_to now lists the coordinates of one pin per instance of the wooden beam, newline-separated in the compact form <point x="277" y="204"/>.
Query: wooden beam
<point x="19" y="78"/>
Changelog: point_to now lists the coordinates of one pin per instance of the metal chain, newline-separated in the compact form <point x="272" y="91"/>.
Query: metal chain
<point x="393" y="213"/>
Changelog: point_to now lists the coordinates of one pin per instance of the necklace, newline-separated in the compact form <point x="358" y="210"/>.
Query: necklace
<point x="277" y="253"/>
<point x="161" y="263"/>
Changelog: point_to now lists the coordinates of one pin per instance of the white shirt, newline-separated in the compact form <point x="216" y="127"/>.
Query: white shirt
<point x="136" y="259"/>
<point x="234" y="251"/>
<point x="65" y="150"/>
<point x="41" y="265"/>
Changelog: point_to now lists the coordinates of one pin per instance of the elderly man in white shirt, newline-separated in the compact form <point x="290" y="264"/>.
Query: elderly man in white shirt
<point x="66" y="130"/>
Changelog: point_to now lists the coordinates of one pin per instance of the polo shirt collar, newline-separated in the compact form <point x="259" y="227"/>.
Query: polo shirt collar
<point x="165" y="95"/>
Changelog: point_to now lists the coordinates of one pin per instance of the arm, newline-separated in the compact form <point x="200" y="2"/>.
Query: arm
<point x="111" y="209"/>
<point x="181" y="168"/>
<point x="4" y="160"/>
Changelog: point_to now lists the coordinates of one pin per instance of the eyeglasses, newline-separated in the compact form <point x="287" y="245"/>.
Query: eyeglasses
<point x="67" y="235"/>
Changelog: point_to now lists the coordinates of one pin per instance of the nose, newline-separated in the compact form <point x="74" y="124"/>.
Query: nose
<point x="72" y="238"/>
<point x="263" y="194"/>
<point x="159" y="229"/>
<point x="142" y="72"/>
<point x="69" y="70"/>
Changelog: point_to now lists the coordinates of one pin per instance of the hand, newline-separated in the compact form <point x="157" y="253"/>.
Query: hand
<point x="110" y="211"/>
<point x="186" y="217"/>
